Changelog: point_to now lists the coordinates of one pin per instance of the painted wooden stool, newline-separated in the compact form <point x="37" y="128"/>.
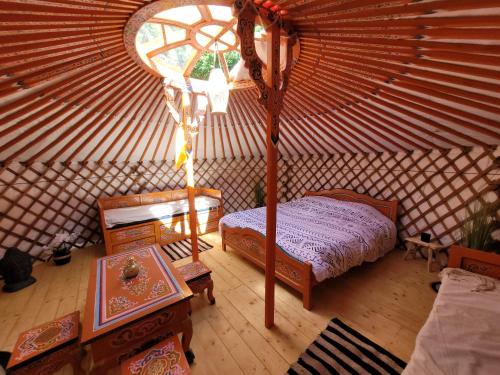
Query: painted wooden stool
<point x="166" y="357"/>
<point x="197" y="277"/>
<point x="47" y="348"/>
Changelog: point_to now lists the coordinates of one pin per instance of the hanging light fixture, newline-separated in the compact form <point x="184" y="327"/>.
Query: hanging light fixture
<point x="218" y="89"/>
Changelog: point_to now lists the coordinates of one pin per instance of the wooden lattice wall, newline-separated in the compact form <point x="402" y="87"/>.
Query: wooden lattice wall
<point x="433" y="188"/>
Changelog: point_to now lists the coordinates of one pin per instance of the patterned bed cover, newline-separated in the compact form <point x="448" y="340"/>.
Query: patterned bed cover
<point x="332" y="235"/>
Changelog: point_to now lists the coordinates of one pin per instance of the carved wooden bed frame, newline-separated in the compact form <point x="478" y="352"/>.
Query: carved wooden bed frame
<point x="476" y="261"/>
<point x="251" y="244"/>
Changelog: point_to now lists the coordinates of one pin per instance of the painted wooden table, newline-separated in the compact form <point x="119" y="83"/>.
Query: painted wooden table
<point x="125" y="316"/>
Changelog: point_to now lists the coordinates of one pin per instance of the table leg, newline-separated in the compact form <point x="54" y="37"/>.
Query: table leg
<point x="210" y="292"/>
<point x="187" y="334"/>
<point x="411" y="249"/>
<point x="430" y="255"/>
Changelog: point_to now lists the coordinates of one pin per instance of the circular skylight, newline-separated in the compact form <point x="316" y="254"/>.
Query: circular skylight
<point x="189" y="40"/>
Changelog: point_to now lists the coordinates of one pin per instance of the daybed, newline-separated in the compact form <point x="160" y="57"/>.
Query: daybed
<point x="160" y="217"/>
<point x="319" y="236"/>
<point x="462" y="332"/>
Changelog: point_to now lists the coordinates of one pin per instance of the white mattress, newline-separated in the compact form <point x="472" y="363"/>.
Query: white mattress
<point x="462" y="334"/>
<point x="332" y="235"/>
<point x="137" y="214"/>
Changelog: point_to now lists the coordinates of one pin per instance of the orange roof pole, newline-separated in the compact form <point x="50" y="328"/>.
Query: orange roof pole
<point x="273" y="74"/>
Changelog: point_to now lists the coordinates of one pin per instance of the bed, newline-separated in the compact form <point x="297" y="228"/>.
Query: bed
<point x="319" y="236"/>
<point x="462" y="332"/>
<point x="162" y="217"/>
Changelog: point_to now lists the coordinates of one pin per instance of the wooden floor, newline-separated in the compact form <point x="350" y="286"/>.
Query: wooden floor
<point x="387" y="301"/>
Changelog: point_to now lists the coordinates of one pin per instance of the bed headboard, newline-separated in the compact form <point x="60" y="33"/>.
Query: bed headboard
<point x="387" y="208"/>
<point x="476" y="261"/>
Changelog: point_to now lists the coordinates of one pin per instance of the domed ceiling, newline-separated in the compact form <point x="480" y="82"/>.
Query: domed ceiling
<point x="372" y="76"/>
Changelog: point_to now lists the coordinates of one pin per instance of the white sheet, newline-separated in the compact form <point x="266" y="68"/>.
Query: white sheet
<point x="130" y="215"/>
<point x="462" y="333"/>
<point x="332" y="235"/>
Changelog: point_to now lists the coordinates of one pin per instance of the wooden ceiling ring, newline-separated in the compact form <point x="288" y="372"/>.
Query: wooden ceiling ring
<point x="147" y="12"/>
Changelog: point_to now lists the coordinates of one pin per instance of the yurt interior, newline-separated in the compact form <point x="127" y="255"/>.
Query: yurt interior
<point x="250" y="187"/>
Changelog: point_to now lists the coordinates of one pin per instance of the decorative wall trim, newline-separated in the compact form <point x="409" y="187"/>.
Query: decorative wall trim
<point x="433" y="188"/>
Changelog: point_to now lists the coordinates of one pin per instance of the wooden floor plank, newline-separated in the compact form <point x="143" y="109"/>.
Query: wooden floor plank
<point x="388" y="301"/>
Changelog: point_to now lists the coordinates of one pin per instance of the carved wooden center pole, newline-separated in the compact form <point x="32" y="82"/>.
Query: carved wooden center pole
<point x="272" y="129"/>
<point x="271" y="95"/>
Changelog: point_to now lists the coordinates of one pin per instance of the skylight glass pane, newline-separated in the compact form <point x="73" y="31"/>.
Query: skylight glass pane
<point x="177" y="58"/>
<point x="221" y="13"/>
<point x="149" y="37"/>
<point x="188" y="15"/>
<point x="229" y="38"/>
<point x="212" y="30"/>
<point x="202" y="39"/>
<point x="174" y="33"/>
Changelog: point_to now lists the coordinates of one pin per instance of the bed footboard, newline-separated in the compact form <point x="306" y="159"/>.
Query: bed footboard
<point x="251" y="245"/>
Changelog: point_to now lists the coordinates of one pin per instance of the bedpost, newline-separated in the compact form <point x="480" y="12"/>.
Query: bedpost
<point x="307" y="291"/>
<point x="223" y="238"/>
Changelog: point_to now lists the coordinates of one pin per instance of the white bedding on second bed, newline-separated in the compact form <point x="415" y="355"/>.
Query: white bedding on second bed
<point x="332" y="235"/>
<point x="462" y="334"/>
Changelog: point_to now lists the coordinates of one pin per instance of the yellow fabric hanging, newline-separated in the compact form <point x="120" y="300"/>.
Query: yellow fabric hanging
<point x="181" y="154"/>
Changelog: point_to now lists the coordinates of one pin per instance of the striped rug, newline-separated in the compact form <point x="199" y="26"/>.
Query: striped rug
<point x="341" y="350"/>
<point x="182" y="249"/>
